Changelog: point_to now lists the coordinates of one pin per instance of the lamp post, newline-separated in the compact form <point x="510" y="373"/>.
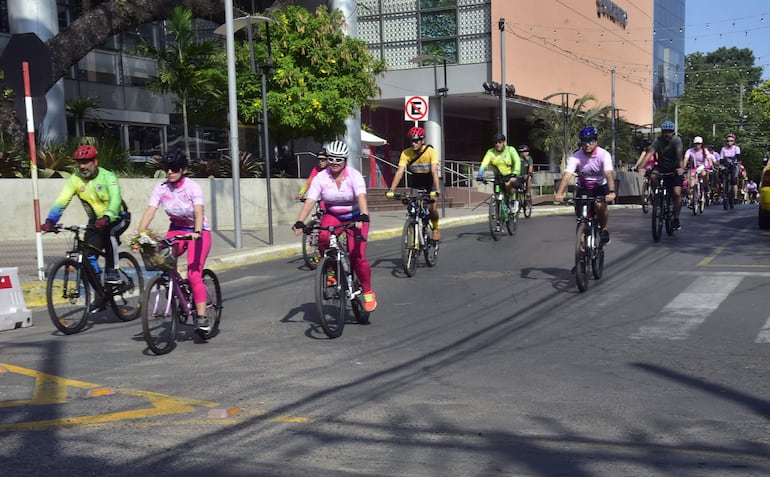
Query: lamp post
<point x="237" y="25"/>
<point x="441" y="93"/>
<point x="565" y="116"/>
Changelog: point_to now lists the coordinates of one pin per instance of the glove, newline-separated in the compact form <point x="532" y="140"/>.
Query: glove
<point x="390" y="194"/>
<point x="102" y="222"/>
<point x="434" y="193"/>
<point x="362" y="218"/>
<point x="48" y="226"/>
<point x="298" y="225"/>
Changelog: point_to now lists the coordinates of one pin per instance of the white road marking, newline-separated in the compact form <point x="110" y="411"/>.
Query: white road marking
<point x="689" y="309"/>
<point x="764" y="333"/>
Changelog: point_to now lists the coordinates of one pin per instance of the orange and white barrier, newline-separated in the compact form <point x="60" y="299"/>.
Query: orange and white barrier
<point x="13" y="311"/>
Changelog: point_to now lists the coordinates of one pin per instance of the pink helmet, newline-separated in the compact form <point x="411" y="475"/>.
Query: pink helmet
<point x="85" y="153"/>
<point x="730" y="136"/>
<point x="416" y="133"/>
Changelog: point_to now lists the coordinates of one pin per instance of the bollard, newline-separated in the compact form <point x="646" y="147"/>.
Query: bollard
<point x="13" y="311"/>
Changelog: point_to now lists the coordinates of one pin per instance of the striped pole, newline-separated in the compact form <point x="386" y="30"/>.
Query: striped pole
<point x="33" y="162"/>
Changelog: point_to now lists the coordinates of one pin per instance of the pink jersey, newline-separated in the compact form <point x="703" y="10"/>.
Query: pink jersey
<point x="178" y="200"/>
<point x="699" y="158"/>
<point x="342" y="201"/>
<point x="590" y="169"/>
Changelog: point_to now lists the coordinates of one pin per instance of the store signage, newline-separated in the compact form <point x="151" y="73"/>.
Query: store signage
<point x="609" y="9"/>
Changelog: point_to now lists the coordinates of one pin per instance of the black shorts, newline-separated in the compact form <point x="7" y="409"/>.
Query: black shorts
<point x="517" y="183"/>
<point x="675" y="180"/>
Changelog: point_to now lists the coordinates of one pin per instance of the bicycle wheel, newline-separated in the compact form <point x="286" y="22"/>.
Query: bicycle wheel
<point x="695" y="199"/>
<point x="68" y="296"/>
<point x="126" y="298"/>
<point x="646" y="203"/>
<point x="431" y="247"/>
<point x="668" y="214"/>
<point x="494" y="218"/>
<point x="513" y="221"/>
<point x="409" y="247"/>
<point x="701" y="200"/>
<point x="597" y="258"/>
<point x="330" y="297"/>
<point x="657" y="217"/>
<point x="213" y="301"/>
<point x="527" y="206"/>
<point x="357" y="303"/>
<point x="310" y="246"/>
<point x="581" y="262"/>
<point x="730" y="199"/>
<point x="160" y="314"/>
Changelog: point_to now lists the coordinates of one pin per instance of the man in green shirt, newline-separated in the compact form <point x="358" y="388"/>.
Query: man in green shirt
<point x="507" y="163"/>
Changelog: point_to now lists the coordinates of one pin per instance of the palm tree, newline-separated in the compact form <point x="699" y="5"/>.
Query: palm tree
<point x="81" y="108"/>
<point x="183" y="64"/>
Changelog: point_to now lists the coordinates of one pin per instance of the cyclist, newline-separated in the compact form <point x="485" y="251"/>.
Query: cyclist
<point x="322" y="164"/>
<point x="751" y="191"/>
<point x="99" y="192"/>
<point x="527" y="168"/>
<point x="670" y="156"/>
<point x="595" y="176"/>
<point x="422" y="161"/>
<point x="647" y="169"/>
<point x="731" y="154"/>
<point x="702" y="161"/>
<point x="344" y="192"/>
<point x="182" y="199"/>
<point x="506" y="162"/>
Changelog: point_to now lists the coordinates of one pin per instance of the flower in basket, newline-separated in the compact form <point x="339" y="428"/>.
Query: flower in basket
<point x="143" y="241"/>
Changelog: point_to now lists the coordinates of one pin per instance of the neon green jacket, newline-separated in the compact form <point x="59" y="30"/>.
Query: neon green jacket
<point x="100" y="196"/>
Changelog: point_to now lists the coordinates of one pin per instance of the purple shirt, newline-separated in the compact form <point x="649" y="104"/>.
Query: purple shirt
<point x="342" y="201"/>
<point x="178" y="201"/>
<point x="728" y="153"/>
<point x="590" y="169"/>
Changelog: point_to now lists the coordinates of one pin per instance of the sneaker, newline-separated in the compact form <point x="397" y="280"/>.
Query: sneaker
<point x="370" y="302"/>
<point x="677" y="226"/>
<point x="436" y="235"/>
<point x="331" y="278"/>
<point x="202" y="325"/>
<point x="604" y="237"/>
<point x="98" y="305"/>
<point x="112" y="277"/>
<point x="515" y="206"/>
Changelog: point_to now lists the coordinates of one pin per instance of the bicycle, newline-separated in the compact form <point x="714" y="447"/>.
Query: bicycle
<point x="310" y="253"/>
<point x="727" y="187"/>
<point x="500" y="210"/>
<point x="168" y="300"/>
<point x="417" y="234"/>
<point x="337" y="285"/>
<point x="698" y="195"/>
<point x="524" y="203"/>
<point x="71" y="279"/>
<point x="662" y="207"/>
<point x="588" y="249"/>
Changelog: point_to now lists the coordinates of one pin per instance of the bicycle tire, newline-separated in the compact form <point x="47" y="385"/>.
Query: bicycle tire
<point x="431" y="246"/>
<point x="701" y="200"/>
<point x="730" y="199"/>
<point x="409" y="247"/>
<point x="695" y="199"/>
<point x="357" y="303"/>
<point x="646" y="204"/>
<point x="512" y="224"/>
<point x="159" y="317"/>
<point x="581" y="262"/>
<point x="527" y="203"/>
<point x="126" y="298"/>
<point x="213" y="301"/>
<point x="668" y="215"/>
<point x="726" y="190"/>
<point x="330" y="298"/>
<point x="597" y="257"/>
<point x="310" y="246"/>
<point x="657" y="218"/>
<point x="494" y="218"/>
<point x="68" y="296"/>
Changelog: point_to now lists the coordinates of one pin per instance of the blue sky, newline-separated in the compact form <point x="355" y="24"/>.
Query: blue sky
<point x="710" y="24"/>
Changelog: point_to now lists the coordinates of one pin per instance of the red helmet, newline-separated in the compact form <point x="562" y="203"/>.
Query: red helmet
<point x="85" y="153"/>
<point x="416" y="133"/>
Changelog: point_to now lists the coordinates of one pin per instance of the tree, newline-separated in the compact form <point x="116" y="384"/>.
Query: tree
<point x="186" y="65"/>
<point x="320" y="75"/>
<point x="81" y="108"/>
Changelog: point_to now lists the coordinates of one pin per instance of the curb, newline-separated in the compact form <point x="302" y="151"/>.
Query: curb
<point x="34" y="293"/>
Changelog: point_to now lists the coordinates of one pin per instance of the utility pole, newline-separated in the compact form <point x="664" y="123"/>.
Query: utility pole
<point x="503" y="108"/>
<point x="613" y="114"/>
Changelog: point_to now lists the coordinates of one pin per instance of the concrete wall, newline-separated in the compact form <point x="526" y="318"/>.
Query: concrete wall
<point x="18" y="213"/>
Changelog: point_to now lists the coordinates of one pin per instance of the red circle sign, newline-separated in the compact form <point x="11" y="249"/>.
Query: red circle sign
<point x="416" y="108"/>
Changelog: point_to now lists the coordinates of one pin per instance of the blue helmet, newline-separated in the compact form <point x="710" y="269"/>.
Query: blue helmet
<point x="589" y="133"/>
<point x="667" y="126"/>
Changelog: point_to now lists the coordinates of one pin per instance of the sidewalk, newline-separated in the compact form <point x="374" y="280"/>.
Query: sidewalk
<point x="223" y="255"/>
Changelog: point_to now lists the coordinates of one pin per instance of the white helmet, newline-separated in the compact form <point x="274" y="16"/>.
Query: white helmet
<point x="337" y="149"/>
<point x="697" y="140"/>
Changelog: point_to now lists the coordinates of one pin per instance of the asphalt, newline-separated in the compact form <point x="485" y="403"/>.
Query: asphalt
<point x="255" y="245"/>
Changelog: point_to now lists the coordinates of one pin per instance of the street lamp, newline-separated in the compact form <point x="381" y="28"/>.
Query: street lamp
<point x="237" y="25"/>
<point x="565" y="116"/>
<point x="441" y="93"/>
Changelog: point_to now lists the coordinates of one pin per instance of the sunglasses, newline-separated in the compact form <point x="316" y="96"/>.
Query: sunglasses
<point x="588" y="143"/>
<point x="172" y="168"/>
<point x="416" y="140"/>
<point x="731" y="140"/>
<point x="336" y="160"/>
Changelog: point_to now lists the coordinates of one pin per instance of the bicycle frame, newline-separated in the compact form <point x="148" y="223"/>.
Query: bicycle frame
<point x="80" y="250"/>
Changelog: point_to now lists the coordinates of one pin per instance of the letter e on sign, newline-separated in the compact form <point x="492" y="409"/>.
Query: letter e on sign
<point x="415" y="108"/>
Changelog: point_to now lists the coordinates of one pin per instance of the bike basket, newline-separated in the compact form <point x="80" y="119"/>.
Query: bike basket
<point x="158" y="260"/>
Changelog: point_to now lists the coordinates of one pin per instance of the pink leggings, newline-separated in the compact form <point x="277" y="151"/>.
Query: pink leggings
<point x="197" y="252"/>
<point x="356" y="249"/>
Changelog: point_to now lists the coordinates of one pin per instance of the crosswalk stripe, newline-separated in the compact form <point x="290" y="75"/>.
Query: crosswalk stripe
<point x="689" y="309"/>
<point x="764" y="333"/>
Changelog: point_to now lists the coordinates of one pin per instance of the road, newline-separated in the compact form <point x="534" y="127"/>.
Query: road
<point x="491" y="363"/>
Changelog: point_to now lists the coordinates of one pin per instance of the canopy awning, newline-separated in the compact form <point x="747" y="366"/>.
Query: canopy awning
<point x="372" y="140"/>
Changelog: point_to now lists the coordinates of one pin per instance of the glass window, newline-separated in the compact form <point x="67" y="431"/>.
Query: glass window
<point x="144" y="140"/>
<point x="424" y="4"/>
<point x="100" y="67"/>
<point x="438" y="24"/>
<point x="438" y="28"/>
<point x="137" y="70"/>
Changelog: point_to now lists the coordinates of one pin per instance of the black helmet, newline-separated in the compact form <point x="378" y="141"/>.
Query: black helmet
<point x="499" y="137"/>
<point x="523" y="148"/>
<point x="175" y="158"/>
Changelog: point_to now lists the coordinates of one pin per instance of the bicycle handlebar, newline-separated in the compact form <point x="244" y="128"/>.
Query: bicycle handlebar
<point x="169" y="241"/>
<point x="422" y="194"/>
<point x="72" y="228"/>
<point x="332" y="229"/>
<point x="598" y="198"/>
